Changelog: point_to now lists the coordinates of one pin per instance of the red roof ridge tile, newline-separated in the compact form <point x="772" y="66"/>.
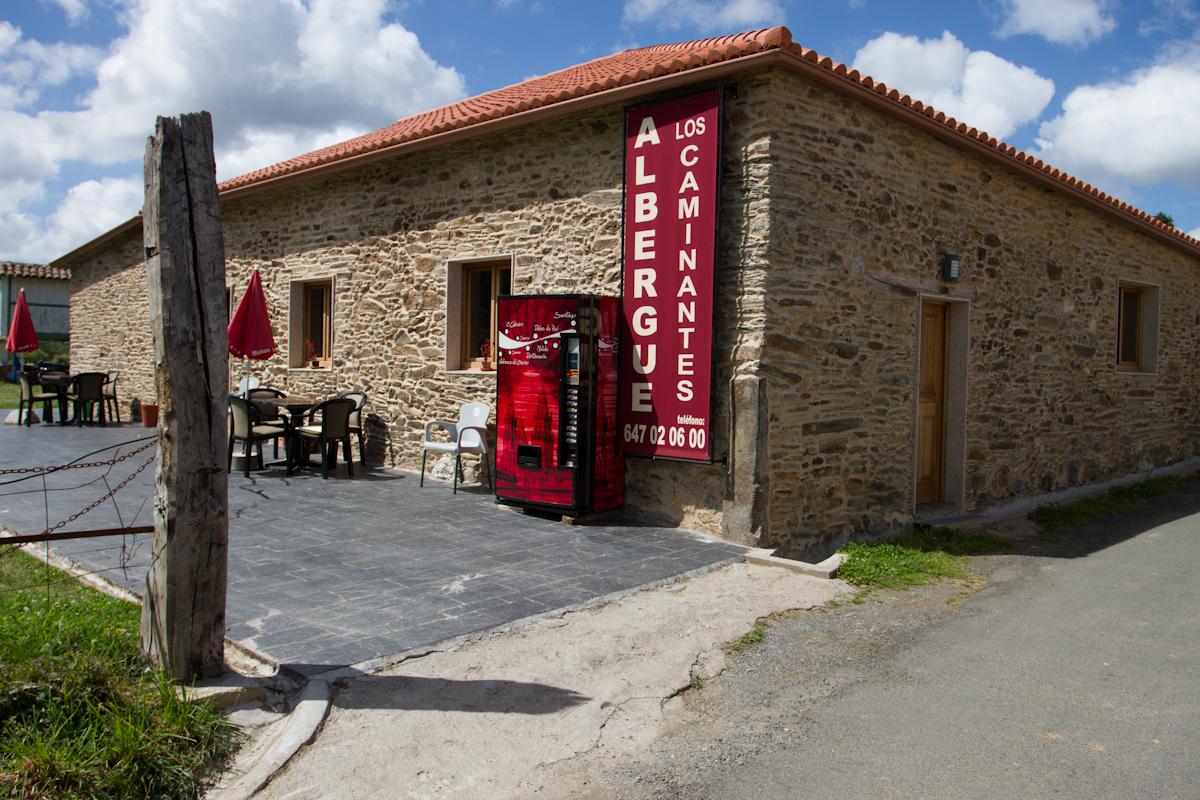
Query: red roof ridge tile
<point x="18" y="269"/>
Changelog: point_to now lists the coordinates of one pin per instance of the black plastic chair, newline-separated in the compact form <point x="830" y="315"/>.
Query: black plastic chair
<point x="247" y="426"/>
<point x="360" y="399"/>
<point x="29" y="398"/>
<point x="87" y="395"/>
<point x="334" y="427"/>
<point x="110" y="395"/>
<point x="268" y="413"/>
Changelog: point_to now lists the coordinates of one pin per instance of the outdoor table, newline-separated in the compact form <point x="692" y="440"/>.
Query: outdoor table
<point x="58" y="382"/>
<point x="296" y="407"/>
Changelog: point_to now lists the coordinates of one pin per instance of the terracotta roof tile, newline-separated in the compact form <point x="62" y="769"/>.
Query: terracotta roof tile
<point x="592" y="77"/>
<point x="643" y="64"/>
<point x="18" y="270"/>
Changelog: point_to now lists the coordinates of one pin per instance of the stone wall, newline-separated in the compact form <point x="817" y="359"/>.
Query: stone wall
<point x="862" y="207"/>
<point x="548" y="195"/>
<point x="110" y="316"/>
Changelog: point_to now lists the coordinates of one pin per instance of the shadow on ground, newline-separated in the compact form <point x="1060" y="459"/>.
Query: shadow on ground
<point x="411" y="693"/>
<point x="1023" y="536"/>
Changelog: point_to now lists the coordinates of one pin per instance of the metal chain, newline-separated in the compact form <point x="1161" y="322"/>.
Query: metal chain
<point x="84" y="465"/>
<point x="105" y="497"/>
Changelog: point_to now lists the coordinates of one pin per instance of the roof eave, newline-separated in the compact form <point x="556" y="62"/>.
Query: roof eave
<point x="99" y="241"/>
<point x="947" y="134"/>
<point x="548" y="112"/>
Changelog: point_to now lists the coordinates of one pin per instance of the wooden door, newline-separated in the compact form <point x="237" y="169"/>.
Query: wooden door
<point x="931" y="404"/>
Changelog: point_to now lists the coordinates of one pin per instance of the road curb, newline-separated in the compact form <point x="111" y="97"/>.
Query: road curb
<point x="257" y="767"/>
<point x="824" y="569"/>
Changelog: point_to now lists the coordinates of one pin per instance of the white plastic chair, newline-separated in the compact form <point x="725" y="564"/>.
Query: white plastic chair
<point x="468" y="435"/>
<point x="246" y="384"/>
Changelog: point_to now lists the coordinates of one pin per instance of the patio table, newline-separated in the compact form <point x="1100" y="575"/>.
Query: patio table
<point x="296" y="407"/>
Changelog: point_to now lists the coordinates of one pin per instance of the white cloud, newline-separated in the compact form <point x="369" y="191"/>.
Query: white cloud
<point x="307" y="72"/>
<point x="1194" y="234"/>
<point x="1169" y="16"/>
<point x="76" y="10"/>
<point x="708" y="15"/>
<point x="1137" y="131"/>
<point x="280" y="77"/>
<point x="27" y="66"/>
<point x="89" y="209"/>
<point x="1073" y="22"/>
<point x="976" y="87"/>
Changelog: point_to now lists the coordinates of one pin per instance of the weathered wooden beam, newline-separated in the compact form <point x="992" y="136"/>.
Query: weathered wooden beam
<point x="32" y="538"/>
<point x="183" y="616"/>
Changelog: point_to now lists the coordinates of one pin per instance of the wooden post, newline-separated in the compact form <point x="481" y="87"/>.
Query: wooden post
<point x="183" y="613"/>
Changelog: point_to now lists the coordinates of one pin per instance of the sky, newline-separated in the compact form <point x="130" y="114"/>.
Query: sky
<point x="1108" y="90"/>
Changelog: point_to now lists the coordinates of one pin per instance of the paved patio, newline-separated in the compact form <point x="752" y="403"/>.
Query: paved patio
<point x="325" y="574"/>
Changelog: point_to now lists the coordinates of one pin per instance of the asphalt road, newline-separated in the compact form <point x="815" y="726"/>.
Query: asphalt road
<point x="1073" y="673"/>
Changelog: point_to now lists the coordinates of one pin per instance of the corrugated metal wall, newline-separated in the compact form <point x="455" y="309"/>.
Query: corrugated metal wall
<point x="49" y="304"/>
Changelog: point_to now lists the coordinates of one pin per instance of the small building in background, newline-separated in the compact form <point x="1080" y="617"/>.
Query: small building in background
<point x="48" y="293"/>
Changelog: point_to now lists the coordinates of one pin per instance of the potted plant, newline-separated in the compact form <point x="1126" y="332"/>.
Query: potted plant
<point x="310" y="354"/>
<point x="485" y="350"/>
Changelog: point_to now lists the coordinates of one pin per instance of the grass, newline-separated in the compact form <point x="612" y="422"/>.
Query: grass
<point x="10" y="394"/>
<point x="81" y="713"/>
<point x="1122" y="498"/>
<point x="913" y="558"/>
<point x="755" y="635"/>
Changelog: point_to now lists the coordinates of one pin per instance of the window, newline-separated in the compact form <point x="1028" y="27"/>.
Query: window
<point x="1129" y="317"/>
<point x="311" y="324"/>
<point x="479" y="287"/>
<point x="1137" y="327"/>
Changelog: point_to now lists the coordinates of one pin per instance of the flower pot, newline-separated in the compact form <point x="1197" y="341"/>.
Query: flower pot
<point x="149" y="415"/>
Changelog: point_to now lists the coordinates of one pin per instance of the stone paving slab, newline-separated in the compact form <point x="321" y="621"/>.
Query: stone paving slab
<point x="329" y="573"/>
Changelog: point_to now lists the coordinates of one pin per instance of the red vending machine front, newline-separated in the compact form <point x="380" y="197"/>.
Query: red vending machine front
<point x="556" y="391"/>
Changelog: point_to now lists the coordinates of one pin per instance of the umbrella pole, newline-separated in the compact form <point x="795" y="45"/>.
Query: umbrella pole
<point x="246" y="395"/>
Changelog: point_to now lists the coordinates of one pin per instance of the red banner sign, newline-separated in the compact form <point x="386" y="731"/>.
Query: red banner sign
<point x="672" y="160"/>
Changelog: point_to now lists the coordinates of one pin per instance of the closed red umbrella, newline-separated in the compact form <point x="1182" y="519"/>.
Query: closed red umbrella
<point x="250" y="329"/>
<point x="22" y="338"/>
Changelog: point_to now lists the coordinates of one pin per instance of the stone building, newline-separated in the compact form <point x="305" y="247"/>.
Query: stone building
<point x="856" y="390"/>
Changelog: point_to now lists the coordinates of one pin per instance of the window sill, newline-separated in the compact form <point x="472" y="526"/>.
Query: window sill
<point x="465" y="372"/>
<point x="1135" y="371"/>
<point x="310" y="369"/>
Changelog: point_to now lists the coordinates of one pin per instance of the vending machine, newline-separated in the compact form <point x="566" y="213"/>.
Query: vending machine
<point x="556" y="391"/>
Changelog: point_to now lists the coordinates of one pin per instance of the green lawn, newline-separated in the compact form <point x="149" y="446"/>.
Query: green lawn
<point x="10" y="393"/>
<point x="81" y="713"/>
